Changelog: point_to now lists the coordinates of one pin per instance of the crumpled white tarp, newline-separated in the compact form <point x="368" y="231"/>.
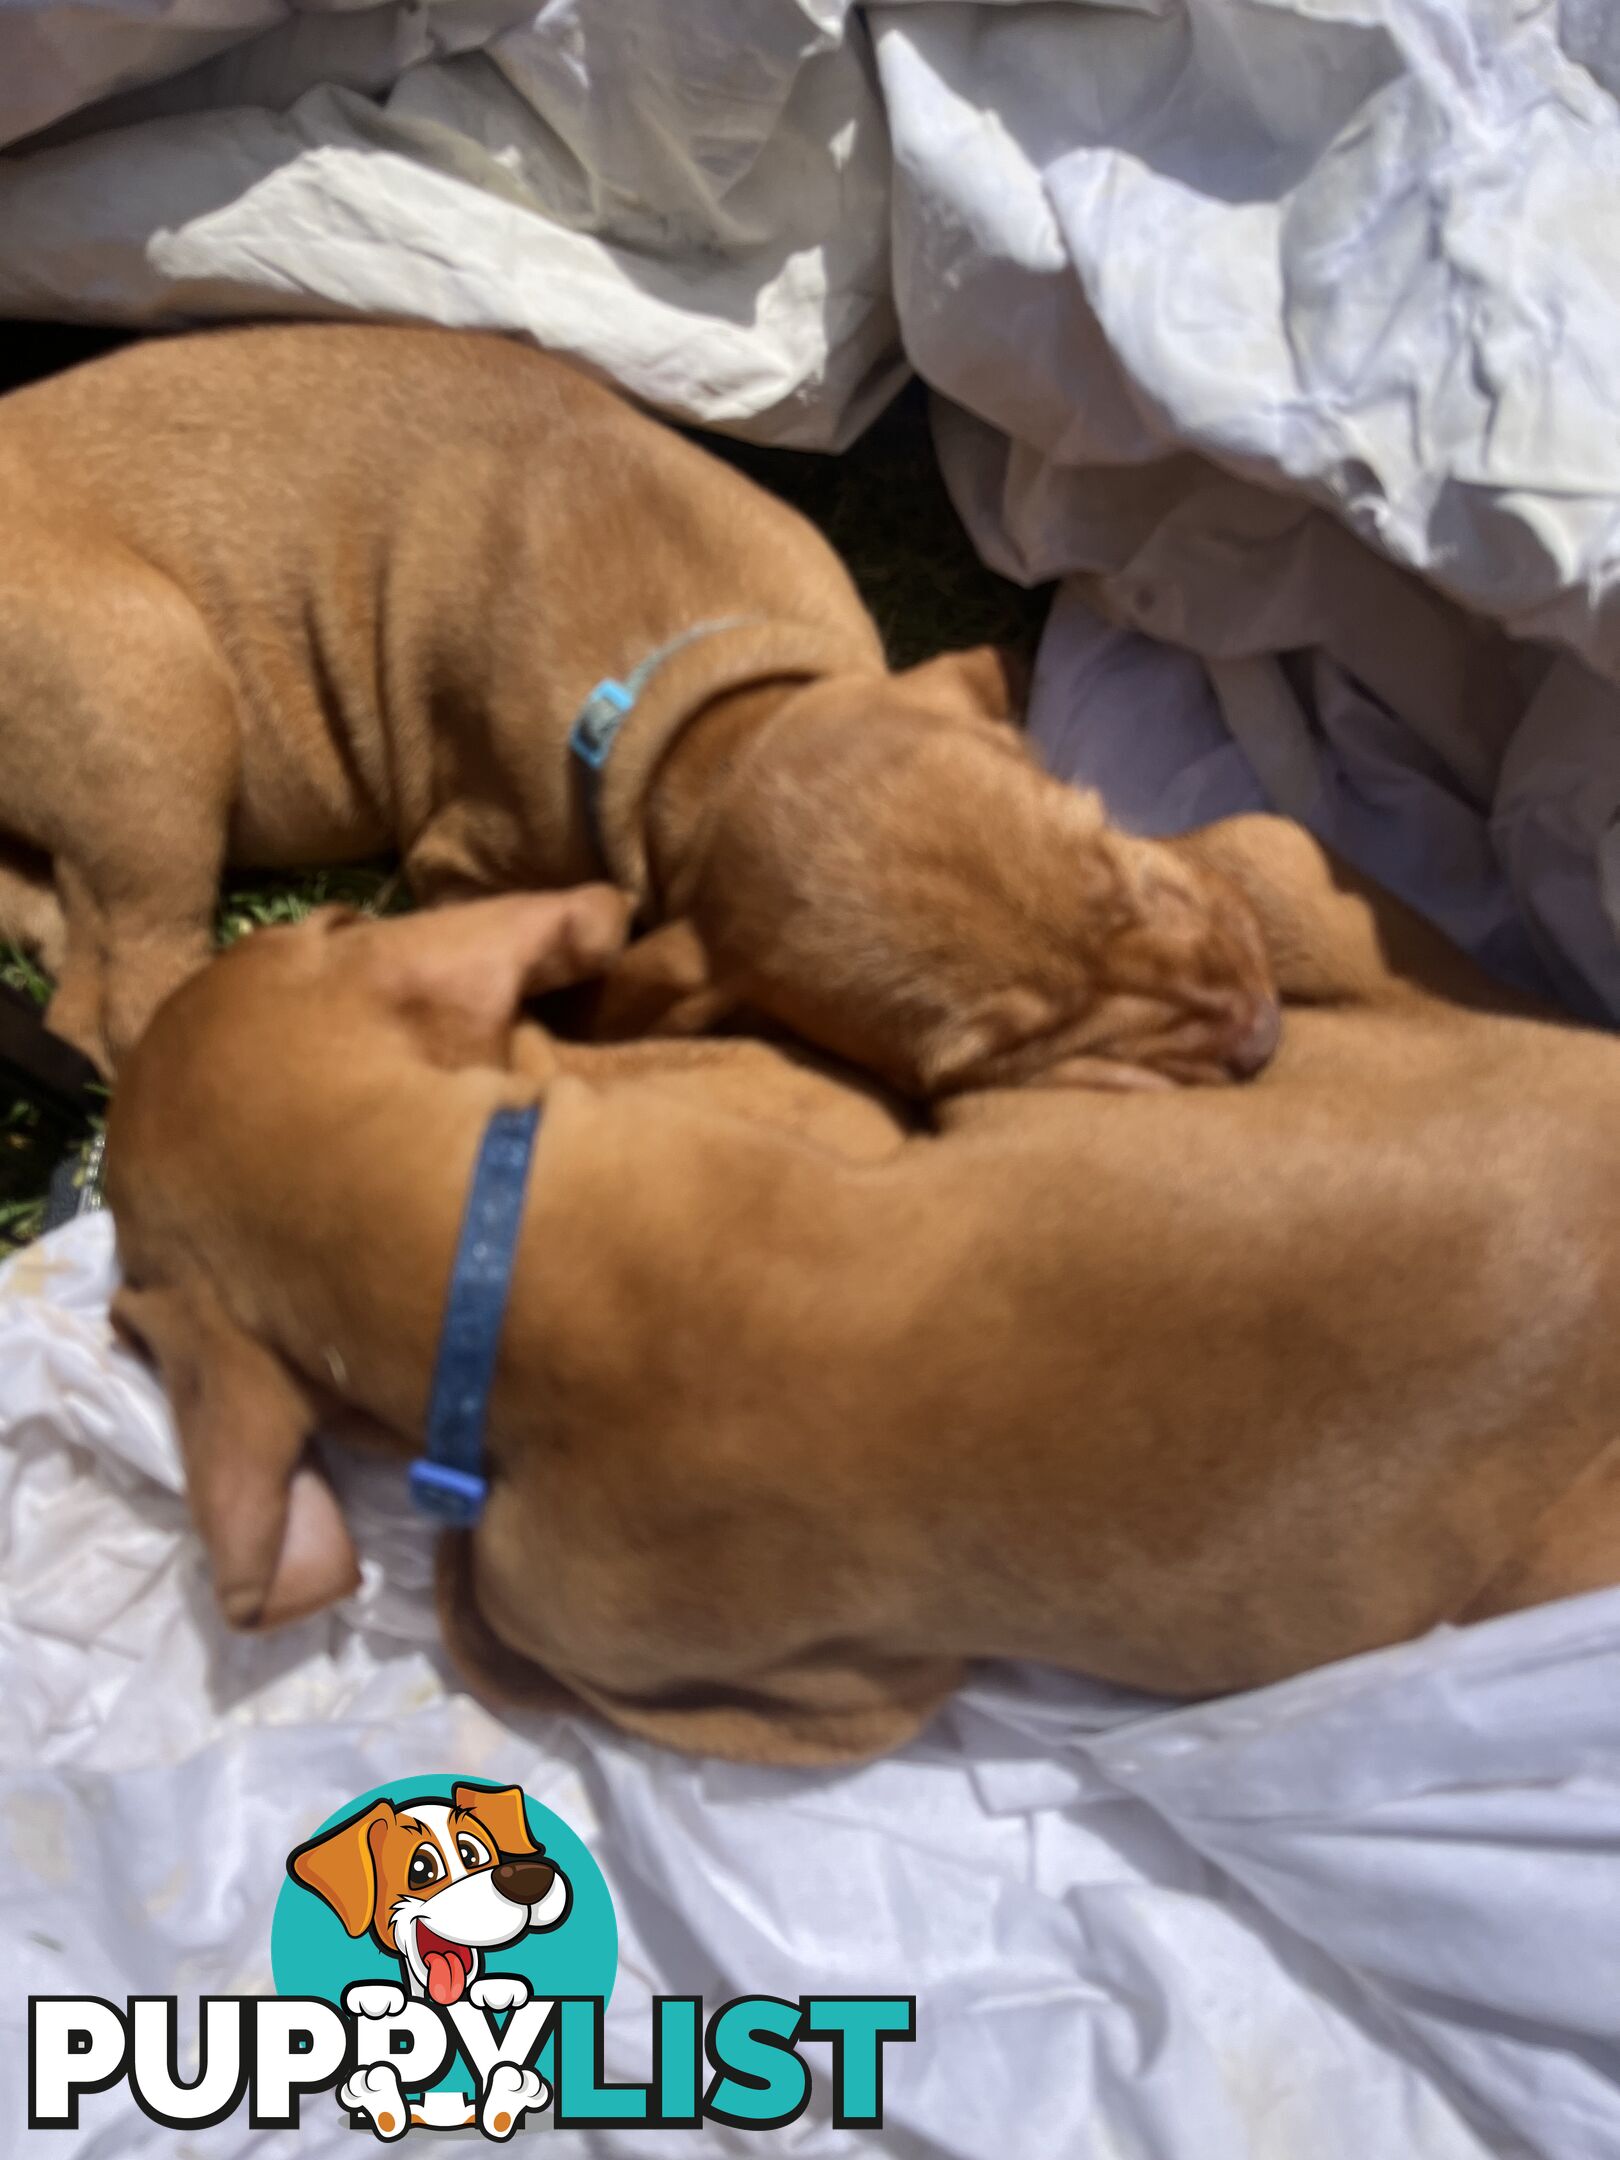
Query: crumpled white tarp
<point x="1368" y="1913"/>
<point x="692" y="200"/>
<point x="1243" y="303"/>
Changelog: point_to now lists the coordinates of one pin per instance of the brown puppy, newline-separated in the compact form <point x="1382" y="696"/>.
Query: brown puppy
<point x="296" y="595"/>
<point x="1187" y="1390"/>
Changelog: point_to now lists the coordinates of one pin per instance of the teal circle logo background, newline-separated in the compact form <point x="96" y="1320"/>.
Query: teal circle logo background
<point x="311" y="1952"/>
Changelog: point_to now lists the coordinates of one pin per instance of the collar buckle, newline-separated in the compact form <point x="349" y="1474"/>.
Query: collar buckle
<point x="452" y="1497"/>
<point x="609" y="705"/>
<point x="600" y="718"/>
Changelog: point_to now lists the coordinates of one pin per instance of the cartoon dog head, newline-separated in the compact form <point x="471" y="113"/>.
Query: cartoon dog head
<point x="437" y="1882"/>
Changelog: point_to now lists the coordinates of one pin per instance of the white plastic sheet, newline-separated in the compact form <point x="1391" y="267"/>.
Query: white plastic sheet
<point x="1370" y="1912"/>
<point x="693" y="201"/>
<point x="1253" y="312"/>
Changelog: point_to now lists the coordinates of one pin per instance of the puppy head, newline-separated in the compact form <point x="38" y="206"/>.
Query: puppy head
<point x="900" y="882"/>
<point x="250" y="1079"/>
<point x="437" y="1883"/>
<point x="1154" y="973"/>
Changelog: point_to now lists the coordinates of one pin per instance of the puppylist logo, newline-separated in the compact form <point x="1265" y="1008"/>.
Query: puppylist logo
<point x="443" y="1952"/>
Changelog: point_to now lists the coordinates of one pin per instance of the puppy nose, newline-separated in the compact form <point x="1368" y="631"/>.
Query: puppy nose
<point x="1254" y="1048"/>
<point x="525" y="1882"/>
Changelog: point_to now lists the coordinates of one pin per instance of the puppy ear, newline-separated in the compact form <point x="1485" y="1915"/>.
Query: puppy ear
<point x="661" y="985"/>
<point x="340" y="1866"/>
<point x="500" y="1812"/>
<point x="461" y="973"/>
<point x="988" y="682"/>
<point x="277" y="1542"/>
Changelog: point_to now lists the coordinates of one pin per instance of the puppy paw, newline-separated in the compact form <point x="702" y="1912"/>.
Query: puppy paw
<point x="499" y="1991"/>
<point x="374" y="1999"/>
<point x="510" y="2094"/>
<point x="376" y="2095"/>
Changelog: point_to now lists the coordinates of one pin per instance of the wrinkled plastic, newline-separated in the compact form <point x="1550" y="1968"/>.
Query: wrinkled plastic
<point x="1369" y="1912"/>
<point x="1254" y="313"/>
<point x="691" y="200"/>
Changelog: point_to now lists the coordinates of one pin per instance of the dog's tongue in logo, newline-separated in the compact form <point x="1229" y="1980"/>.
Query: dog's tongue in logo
<point x="427" y="1909"/>
<point x="448" y="1965"/>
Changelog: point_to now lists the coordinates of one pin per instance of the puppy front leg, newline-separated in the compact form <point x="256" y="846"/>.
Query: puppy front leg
<point x="122" y="761"/>
<point x="125" y="955"/>
<point x="30" y="912"/>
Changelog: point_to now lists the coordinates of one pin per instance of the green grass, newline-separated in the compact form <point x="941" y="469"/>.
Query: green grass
<point x="29" y="1146"/>
<point x="17" y="970"/>
<point x="260" y="903"/>
<point x="32" y="1143"/>
<point x="882" y="505"/>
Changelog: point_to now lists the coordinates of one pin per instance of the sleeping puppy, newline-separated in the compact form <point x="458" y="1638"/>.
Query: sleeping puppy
<point x="297" y="595"/>
<point x="797" y="1410"/>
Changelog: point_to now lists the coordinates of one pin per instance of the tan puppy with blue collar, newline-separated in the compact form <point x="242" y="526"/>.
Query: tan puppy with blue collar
<point x="796" y="1410"/>
<point x="297" y="595"/>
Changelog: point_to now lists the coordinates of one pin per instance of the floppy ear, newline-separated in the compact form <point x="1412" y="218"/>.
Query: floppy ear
<point x="501" y="1814"/>
<point x="661" y="985"/>
<point x="277" y="1542"/>
<point x="989" y="682"/>
<point x="340" y="1866"/>
<point x="462" y="972"/>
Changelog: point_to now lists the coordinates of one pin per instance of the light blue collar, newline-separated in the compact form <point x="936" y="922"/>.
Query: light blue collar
<point x="611" y="703"/>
